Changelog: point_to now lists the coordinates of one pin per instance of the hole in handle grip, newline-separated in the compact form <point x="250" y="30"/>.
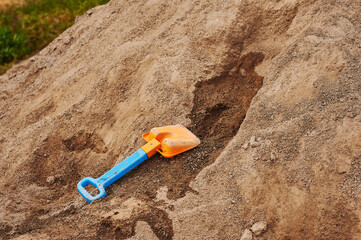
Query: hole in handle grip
<point x="85" y="194"/>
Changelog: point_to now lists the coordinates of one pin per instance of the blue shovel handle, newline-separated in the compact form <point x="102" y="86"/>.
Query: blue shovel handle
<point x="111" y="176"/>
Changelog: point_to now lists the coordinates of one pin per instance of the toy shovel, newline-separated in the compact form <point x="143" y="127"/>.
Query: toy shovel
<point x="168" y="141"/>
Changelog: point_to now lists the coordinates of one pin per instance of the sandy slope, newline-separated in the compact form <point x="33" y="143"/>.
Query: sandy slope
<point x="4" y="3"/>
<point x="286" y="73"/>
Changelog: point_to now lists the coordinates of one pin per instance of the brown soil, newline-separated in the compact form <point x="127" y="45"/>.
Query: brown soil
<point x="284" y="73"/>
<point x="220" y="106"/>
<point x="156" y="218"/>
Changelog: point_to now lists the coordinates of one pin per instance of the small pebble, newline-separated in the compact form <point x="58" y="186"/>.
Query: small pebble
<point x="245" y="146"/>
<point x="67" y="40"/>
<point x="343" y="168"/>
<point x="273" y="156"/>
<point x="233" y="71"/>
<point x="259" y="227"/>
<point x="253" y="142"/>
<point x="247" y="235"/>
<point x="243" y="72"/>
<point x="50" y="180"/>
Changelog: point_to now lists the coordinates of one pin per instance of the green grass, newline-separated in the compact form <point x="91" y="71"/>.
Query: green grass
<point x="28" y="28"/>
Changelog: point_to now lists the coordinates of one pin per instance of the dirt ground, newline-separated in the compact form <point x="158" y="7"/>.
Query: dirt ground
<point x="272" y="89"/>
<point x="4" y="3"/>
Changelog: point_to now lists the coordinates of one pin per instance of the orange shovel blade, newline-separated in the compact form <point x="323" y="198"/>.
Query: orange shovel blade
<point x="173" y="139"/>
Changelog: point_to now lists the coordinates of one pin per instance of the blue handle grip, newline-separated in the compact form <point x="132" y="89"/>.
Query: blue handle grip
<point x="111" y="176"/>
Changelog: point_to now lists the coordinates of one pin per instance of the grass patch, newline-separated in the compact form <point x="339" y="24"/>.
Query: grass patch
<point x="26" y="29"/>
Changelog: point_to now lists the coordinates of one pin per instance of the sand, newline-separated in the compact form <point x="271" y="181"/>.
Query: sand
<point x="272" y="89"/>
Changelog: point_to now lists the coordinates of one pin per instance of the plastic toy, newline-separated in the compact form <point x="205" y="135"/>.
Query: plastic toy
<point x="168" y="141"/>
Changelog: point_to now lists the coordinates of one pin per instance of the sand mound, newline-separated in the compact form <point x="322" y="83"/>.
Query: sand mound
<point x="272" y="88"/>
